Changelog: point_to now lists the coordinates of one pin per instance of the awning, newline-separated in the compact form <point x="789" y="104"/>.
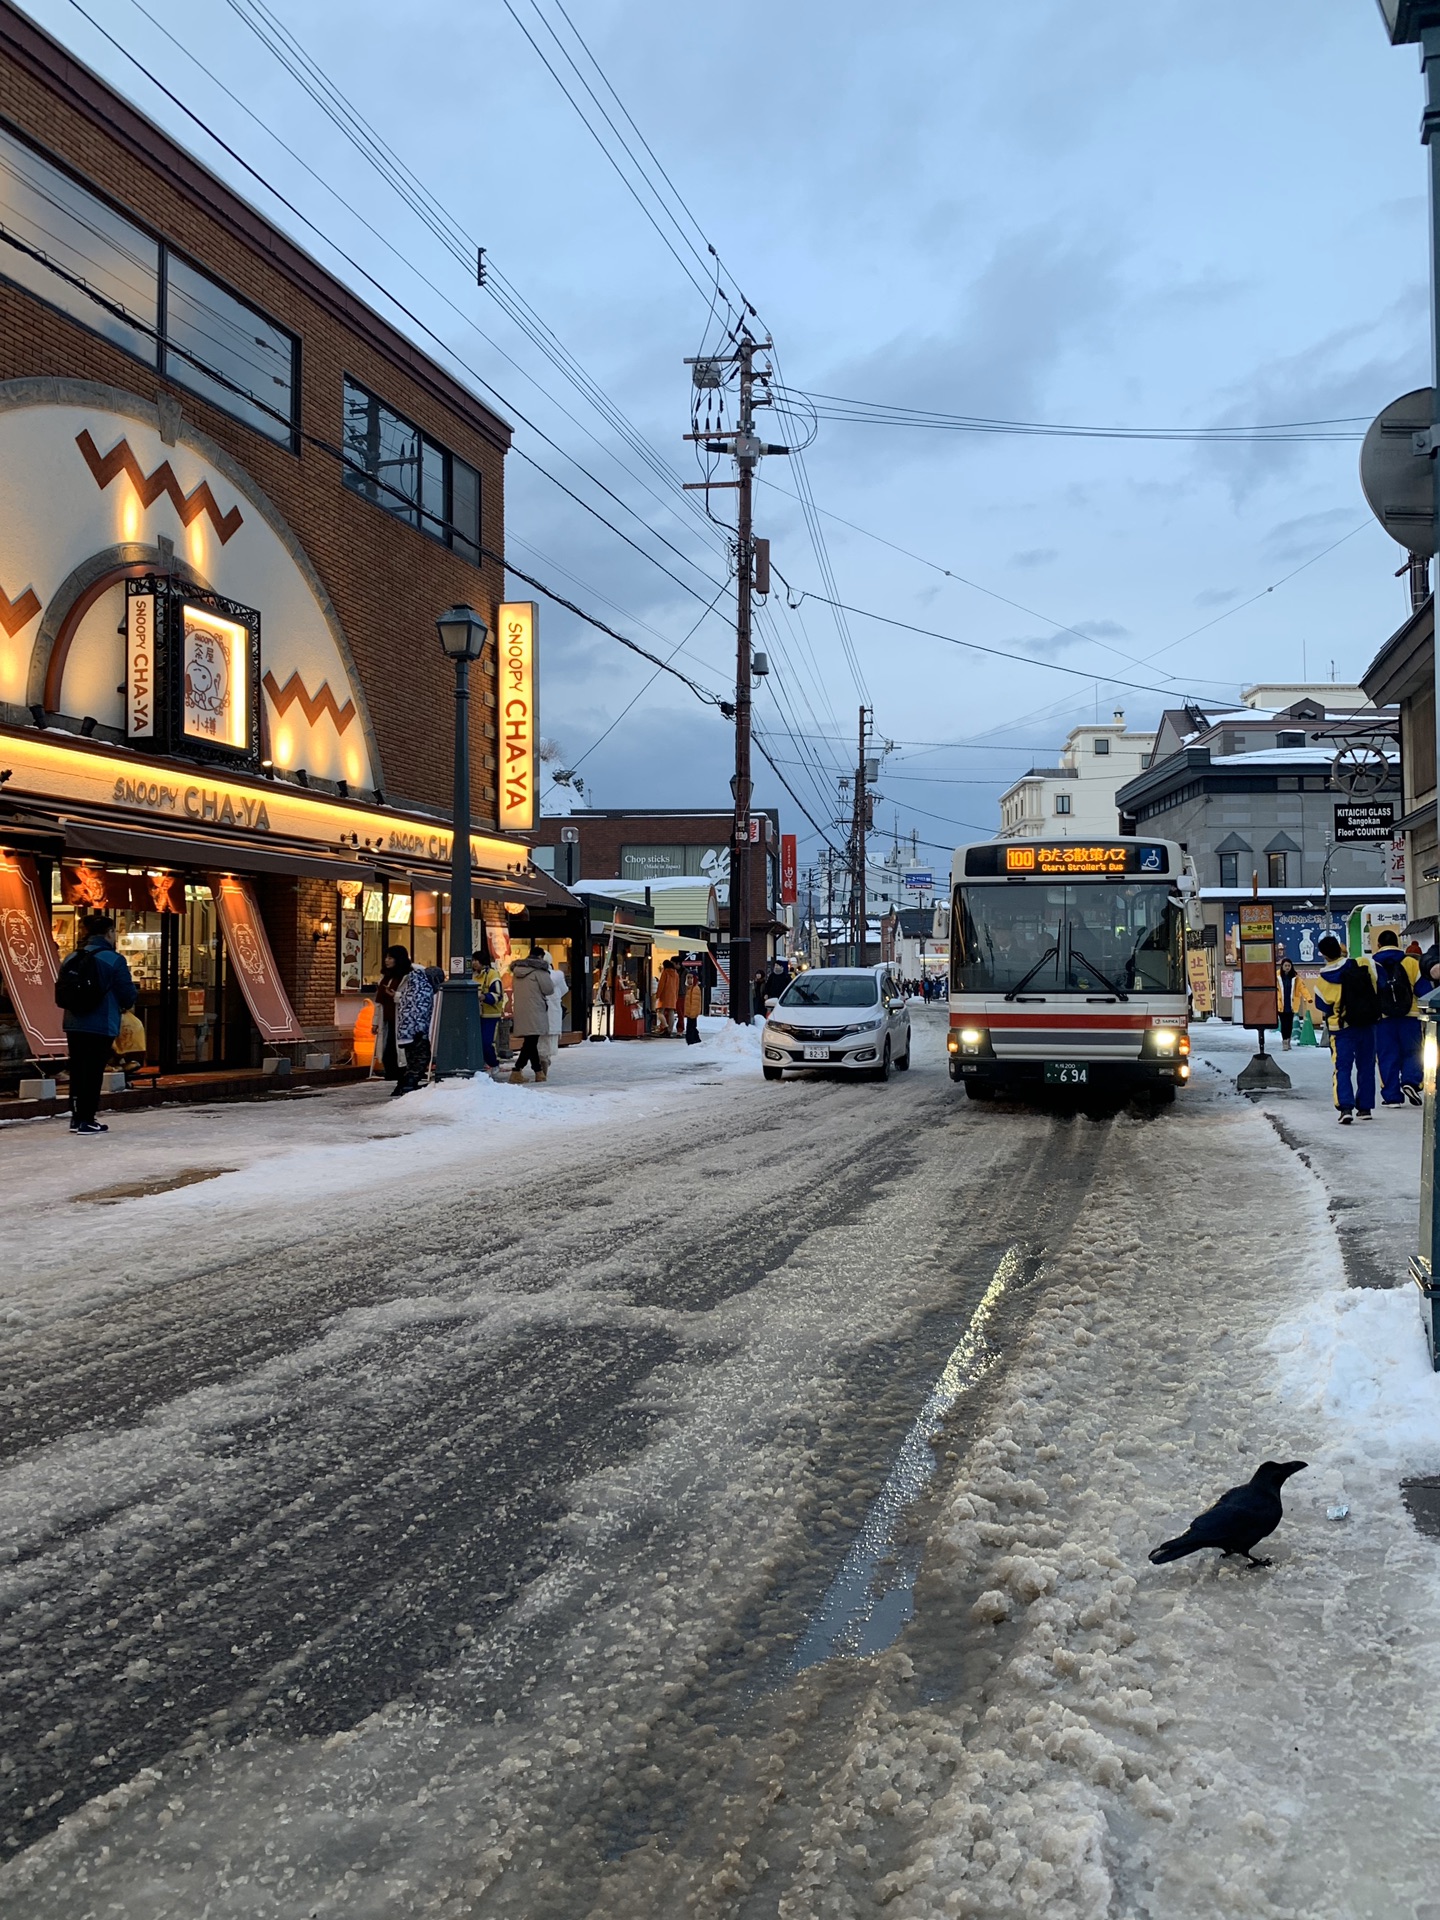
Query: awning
<point x="254" y="964"/>
<point x="27" y="956"/>
<point x="205" y="852"/>
<point x="25" y="832"/>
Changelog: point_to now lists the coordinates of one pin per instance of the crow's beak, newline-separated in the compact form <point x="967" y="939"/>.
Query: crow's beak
<point x="1293" y="1466"/>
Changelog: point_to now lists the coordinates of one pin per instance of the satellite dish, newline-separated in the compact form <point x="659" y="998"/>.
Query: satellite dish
<point x="1398" y="482"/>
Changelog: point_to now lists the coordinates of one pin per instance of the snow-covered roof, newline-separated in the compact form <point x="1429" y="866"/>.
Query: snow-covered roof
<point x="677" y="900"/>
<point x="1320" y="756"/>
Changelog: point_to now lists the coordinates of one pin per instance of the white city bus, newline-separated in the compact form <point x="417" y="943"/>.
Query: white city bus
<point x="1067" y="965"/>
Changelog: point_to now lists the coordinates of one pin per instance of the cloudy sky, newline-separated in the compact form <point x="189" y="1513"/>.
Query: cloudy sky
<point x="1138" y="215"/>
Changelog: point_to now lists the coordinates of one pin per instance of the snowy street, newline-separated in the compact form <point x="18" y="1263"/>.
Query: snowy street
<point x="662" y="1492"/>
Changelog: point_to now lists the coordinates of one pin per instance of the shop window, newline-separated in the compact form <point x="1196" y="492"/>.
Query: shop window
<point x="77" y="253"/>
<point x="425" y="929"/>
<point x="1229" y="869"/>
<point x="69" y="247"/>
<point x="225" y="350"/>
<point x="1275" y="869"/>
<point x="391" y="463"/>
<point x="373" y="942"/>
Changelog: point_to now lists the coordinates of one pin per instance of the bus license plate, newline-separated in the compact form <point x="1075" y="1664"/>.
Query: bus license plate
<point x="1066" y="1073"/>
<point x="817" y="1053"/>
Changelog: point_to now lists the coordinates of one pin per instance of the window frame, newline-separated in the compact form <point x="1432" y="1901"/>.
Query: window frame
<point x="410" y="512"/>
<point x="1062" y="803"/>
<point x="157" y="337"/>
<point x="1272" y="855"/>
<point x="1229" y="869"/>
<point x="1102" y="743"/>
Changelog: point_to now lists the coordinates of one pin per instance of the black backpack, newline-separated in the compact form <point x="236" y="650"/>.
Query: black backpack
<point x="79" y="985"/>
<point x="1395" y="997"/>
<point x="1359" y="1002"/>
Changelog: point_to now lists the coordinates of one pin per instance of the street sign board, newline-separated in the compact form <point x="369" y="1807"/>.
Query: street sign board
<point x="1364" y="819"/>
<point x="1257" y="963"/>
<point x="918" y="881"/>
<point x="1398" y="481"/>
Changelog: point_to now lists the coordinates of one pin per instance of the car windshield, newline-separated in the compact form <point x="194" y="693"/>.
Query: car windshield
<point x="1106" y="937"/>
<point x="831" y="990"/>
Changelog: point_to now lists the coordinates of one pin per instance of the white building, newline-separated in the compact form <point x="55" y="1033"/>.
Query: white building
<point x="1076" y="800"/>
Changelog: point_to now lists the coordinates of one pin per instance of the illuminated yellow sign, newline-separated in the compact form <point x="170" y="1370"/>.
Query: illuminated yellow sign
<point x="215" y="660"/>
<point x="1070" y="857"/>
<point x="109" y="784"/>
<point x="518" y="805"/>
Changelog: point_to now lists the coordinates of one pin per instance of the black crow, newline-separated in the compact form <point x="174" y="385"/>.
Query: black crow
<point x="1238" y="1518"/>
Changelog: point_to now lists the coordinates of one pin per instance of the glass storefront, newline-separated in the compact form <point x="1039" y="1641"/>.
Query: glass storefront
<point x="168" y="930"/>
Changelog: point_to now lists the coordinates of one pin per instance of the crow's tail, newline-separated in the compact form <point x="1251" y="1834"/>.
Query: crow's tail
<point x="1175" y="1549"/>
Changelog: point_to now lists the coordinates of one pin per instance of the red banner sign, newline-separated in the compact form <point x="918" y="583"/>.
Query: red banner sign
<point x="27" y="956"/>
<point x="254" y="964"/>
<point x="789" y="870"/>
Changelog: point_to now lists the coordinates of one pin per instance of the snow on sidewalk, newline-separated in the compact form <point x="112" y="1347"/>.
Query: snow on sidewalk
<point x="1196" y="1739"/>
<point x="244" y="1157"/>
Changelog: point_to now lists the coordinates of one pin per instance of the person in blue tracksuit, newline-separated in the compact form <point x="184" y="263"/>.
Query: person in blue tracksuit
<point x="1397" y="1032"/>
<point x="1346" y="997"/>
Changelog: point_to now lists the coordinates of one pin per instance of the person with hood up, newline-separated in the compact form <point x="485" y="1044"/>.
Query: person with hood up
<point x="667" y="997"/>
<point x="94" y="988"/>
<point x="1345" y="995"/>
<point x="1397" y="1032"/>
<point x="414" y="1004"/>
<point x="532" y="985"/>
<point x="694" y="1000"/>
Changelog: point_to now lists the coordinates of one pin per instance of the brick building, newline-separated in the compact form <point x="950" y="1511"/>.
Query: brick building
<point x="660" y="843"/>
<point x="233" y="501"/>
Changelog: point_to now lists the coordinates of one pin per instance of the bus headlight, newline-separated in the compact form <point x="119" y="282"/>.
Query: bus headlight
<point x="1165" y="1043"/>
<point x="972" y="1040"/>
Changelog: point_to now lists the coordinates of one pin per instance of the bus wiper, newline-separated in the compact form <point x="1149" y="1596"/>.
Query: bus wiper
<point x="1052" y="953"/>
<point x="1104" y="979"/>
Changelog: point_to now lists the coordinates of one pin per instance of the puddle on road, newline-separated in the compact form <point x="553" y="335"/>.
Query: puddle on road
<point x="871" y="1598"/>
<point x="159" y="1183"/>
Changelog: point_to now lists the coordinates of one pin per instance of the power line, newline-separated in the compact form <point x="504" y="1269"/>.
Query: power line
<point x="835" y="407"/>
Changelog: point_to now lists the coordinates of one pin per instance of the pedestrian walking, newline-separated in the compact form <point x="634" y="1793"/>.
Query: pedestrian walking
<point x="532" y="985"/>
<point x="776" y="981"/>
<point x="1345" y="995"/>
<point x="667" y="997"/>
<point x="490" y="985"/>
<point x="94" y="988"/>
<point x="692" y="1005"/>
<point x="414" y="1004"/>
<point x="1286" y="983"/>
<point x="757" y="997"/>
<point x="386" y="1058"/>
<point x="554" y="1013"/>
<point x="1397" y="1033"/>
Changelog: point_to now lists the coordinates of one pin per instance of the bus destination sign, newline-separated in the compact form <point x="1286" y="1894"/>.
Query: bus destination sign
<point x="1065" y="857"/>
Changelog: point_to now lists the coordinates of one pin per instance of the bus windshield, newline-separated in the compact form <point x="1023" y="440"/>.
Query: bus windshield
<point x="1111" y="936"/>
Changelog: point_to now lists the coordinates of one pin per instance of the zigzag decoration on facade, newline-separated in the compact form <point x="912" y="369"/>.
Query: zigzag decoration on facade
<point x="189" y="506"/>
<point x="312" y="706"/>
<point x="15" y="614"/>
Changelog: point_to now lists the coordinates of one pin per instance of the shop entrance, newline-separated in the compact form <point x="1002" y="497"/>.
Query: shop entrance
<point x="189" y="1001"/>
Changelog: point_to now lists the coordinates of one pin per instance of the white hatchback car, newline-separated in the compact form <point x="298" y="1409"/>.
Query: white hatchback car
<point x="846" y="1017"/>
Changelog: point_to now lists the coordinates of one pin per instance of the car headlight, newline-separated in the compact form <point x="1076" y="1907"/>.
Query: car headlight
<point x="867" y="1026"/>
<point x="971" y="1040"/>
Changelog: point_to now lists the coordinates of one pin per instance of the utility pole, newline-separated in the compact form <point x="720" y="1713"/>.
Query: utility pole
<point x="746" y="448"/>
<point x="858" y="903"/>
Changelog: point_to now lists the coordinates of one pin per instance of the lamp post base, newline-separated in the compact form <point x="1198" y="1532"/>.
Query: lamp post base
<point x="459" y="1044"/>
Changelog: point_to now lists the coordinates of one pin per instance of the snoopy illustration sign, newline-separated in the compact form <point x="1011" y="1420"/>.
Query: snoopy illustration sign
<point x="516" y="806"/>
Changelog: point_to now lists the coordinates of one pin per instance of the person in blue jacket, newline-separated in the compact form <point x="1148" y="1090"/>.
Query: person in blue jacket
<point x="1397" y="1032"/>
<point x="1346" y="998"/>
<point x="90" y="1034"/>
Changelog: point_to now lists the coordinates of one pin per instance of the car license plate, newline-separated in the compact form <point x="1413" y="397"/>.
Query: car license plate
<point x="1066" y="1073"/>
<point x="817" y="1053"/>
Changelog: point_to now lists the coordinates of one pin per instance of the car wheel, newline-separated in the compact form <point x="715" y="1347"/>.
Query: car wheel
<point x="980" y="1089"/>
<point x="774" y="1073"/>
<point x="882" y="1072"/>
<point x="902" y="1065"/>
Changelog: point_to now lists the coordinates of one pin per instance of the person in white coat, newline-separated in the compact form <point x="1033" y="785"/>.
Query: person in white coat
<point x="555" y="1008"/>
<point x="532" y="987"/>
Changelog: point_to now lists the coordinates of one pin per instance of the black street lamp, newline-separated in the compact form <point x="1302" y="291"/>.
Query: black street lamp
<point x="459" y="1045"/>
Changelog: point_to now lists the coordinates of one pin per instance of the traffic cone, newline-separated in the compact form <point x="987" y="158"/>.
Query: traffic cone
<point x="1307" y="1030"/>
